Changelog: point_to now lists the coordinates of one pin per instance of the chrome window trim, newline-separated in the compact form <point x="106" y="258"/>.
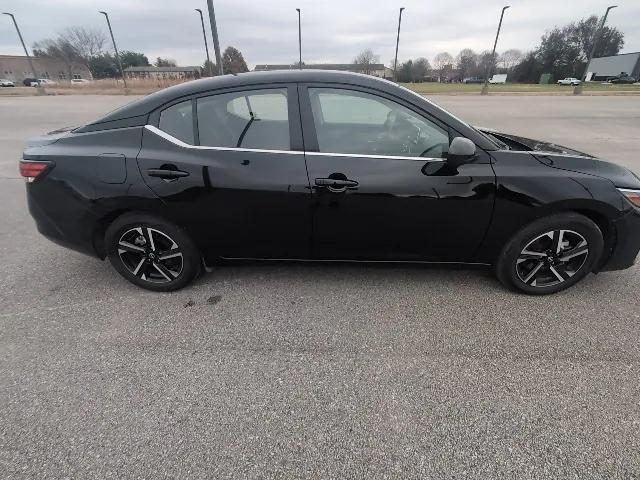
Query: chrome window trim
<point x="180" y="143"/>
<point x="361" y="155"/>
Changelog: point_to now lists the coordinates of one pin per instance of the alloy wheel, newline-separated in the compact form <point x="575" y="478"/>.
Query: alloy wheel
<point x="552" y="258"/>
<point x="150" y="255"/>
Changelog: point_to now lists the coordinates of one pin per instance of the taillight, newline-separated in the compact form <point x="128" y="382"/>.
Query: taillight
<point x="30" y="169"/>
<point x="632" y="195"/>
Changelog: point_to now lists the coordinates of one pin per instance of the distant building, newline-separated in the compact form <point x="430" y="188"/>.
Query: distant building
<point x="604" y="67"/>
<point x="376" y="69"/>
<point x="157" y="73"/>
<point x="16" y="68"/>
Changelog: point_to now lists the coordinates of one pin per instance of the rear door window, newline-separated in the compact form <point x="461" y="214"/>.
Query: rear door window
<point x="256" y="119"/>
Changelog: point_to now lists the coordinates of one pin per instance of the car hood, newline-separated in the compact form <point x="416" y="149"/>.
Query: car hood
<point x="564" y="158"/>
<point x="530" y="144"/>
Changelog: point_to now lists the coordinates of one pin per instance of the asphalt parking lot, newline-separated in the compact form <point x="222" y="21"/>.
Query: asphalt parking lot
<point x="338" y="371"/>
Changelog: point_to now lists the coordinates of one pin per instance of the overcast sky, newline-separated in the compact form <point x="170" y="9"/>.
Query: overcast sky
<point x="332" y="30"/>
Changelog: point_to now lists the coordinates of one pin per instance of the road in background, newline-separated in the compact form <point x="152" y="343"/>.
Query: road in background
<point x="608" y="127"/>
<point x="341" y="371"/>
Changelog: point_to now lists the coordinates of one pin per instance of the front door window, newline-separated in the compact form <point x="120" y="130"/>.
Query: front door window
<point x="359" y="123"/>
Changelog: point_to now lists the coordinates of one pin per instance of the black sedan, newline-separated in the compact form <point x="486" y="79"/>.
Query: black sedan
<point x="623" y="79"/>
<point x="324" y="166"/>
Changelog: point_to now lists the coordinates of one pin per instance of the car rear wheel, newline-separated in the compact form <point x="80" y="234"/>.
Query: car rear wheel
<point x="151" y="252"/>
<point x="551" y="254"/>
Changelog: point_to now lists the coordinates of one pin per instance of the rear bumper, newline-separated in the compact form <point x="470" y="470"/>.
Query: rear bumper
<point x="65" y="230"/>
<point x="627" y="246"/>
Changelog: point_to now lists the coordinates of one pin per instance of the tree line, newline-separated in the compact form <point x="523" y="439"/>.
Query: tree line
<point x="86" y="47"/>
<point x="562" y="52"/>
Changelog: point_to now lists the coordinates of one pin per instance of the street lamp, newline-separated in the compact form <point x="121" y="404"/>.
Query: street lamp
<point x="395" y="62"/>
<point x="26" y="52"/>
<point x="596" y="38"/>
<point x="115" y="48"/>
<point x="485" y="88"/>
<point x="214" y="35"/>
<point x="299" y="39"/>
<point x="206" y="47"/>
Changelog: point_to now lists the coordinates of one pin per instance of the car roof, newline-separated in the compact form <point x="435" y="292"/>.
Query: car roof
<point x="146" y="105"/>
<point x="137" y="112"/>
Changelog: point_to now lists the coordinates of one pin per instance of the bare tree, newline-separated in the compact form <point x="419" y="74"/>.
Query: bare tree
<point x="367" y="59"/>
<point x="61" y="49"/>
<point x="467" y="62"/>
<point x="510" y="58"/>
<point x="74" y="46"/>
<point x="486" y="64"/>
<point x="88" y="43"/>
<point x="442" y="62"/>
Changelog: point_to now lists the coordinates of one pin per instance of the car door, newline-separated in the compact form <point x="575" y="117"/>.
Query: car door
<point x="229" y="166"/>
<point x="382" y="189"/>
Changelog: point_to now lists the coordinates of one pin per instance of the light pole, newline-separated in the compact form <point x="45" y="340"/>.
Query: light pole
<point x="299" y="39"/>
<point x="206" y="47"/>
<point x="26" y="52"/>
<point x="596" y="37"/>
<point x="115" y="48"/>
<point x="214" y="35"/>
<point x="485" y="87"/>
<point x="395" y="62"/>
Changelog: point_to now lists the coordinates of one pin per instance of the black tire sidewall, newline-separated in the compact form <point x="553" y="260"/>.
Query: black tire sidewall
<point x="191" y="257"/>
<point x="506" y="265"/>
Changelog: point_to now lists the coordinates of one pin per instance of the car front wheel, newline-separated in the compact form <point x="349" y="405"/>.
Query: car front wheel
<point x="551" y="254"/>
<point x="151" y="252"/>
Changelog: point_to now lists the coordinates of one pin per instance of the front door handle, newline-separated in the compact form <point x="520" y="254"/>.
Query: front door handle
<point x="167" y="174"/>
<point x="336" y="184"/>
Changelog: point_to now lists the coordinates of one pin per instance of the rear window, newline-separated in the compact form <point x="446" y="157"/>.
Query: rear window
<point x="177" y="121"/>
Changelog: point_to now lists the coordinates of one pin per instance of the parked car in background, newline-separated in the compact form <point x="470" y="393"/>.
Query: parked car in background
<point x="28" y="81"/>
<point x="5" y="82"/>
<point x="43" y="82"/>
<point x="473" y="80"/>
<point x="500" y="78"/>
<point x="216" y="170"/>
<point x="569" y="81"/>
<point x="80" y="81"/>
<point x="623" y="79"/>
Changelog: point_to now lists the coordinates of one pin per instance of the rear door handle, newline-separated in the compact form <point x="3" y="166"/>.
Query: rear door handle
<point x="336" y="183"/>
<point x="166" y="173"/>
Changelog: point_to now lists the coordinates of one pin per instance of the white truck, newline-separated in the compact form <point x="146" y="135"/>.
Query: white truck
<point x="500" y="78"/>
<point x="569" y="81"/>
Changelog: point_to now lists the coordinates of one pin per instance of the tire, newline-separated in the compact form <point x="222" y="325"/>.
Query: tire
<point x="551" y="254"/>
<point x="151" y="252"/>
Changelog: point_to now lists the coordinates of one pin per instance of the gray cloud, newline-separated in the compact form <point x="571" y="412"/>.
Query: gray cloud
<point x="332" y="30"/>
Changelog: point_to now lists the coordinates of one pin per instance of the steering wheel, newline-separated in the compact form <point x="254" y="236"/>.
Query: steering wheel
<point x="390" y="122"/>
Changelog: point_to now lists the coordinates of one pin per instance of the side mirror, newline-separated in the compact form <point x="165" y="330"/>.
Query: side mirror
<point x="460" y="150"/>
